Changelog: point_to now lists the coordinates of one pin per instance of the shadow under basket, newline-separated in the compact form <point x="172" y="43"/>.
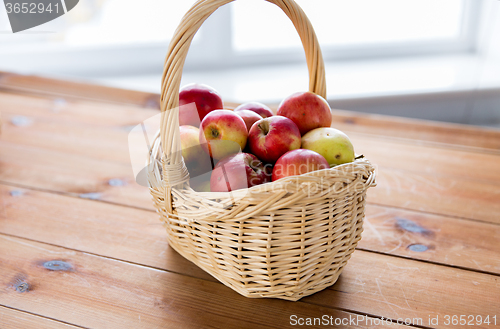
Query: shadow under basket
<point x="285" y="239"/>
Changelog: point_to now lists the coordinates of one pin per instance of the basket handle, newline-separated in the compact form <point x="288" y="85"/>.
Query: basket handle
<point x="174" y="169"/>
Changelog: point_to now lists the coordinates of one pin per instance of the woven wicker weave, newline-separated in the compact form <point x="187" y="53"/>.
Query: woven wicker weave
<point x="286" y="239"/>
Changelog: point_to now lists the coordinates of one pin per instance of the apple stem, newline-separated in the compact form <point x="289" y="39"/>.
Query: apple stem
<point x="264" y="127"/>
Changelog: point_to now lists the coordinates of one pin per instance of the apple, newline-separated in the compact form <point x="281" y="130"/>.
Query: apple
<point x="307" y="110"/>
<point x="197" y="161"/>
<point x="201" y="183"/>
<point x="331" y="143"/>
<point x="249" y="117"/>
<point x="238" y="171"/>
<point x="256" y="107"/>
<point x="205" y="98"/>
<point x="223" y="132"/>
<point x="298" y="162"/>
<point x="270" y="138"/>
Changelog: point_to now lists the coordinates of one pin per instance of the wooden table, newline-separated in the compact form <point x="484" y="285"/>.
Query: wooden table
<point x="81" y="246"/>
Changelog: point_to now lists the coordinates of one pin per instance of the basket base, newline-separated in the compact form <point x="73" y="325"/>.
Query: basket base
<point x="291" y="296"/>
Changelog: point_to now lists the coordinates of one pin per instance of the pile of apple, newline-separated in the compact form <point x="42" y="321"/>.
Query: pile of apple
<point x="247" y="146"/>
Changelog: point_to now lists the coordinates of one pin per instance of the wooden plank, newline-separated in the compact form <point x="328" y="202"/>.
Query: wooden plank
<point x="399" y="285"/>
<point x="420" y="176"/>
<point x="439" y="239"/>
<point x="10" y="318"/>
<point x="65" y="140"/>
<point x="76" y="175"/>
<point x="400" y="128"/>
<point x="432" y="193"/>
<point x="31" y="84"/>
<point x="114" y="231"/>
<point x="348" y="121"/>
<point x="137" y="235"/>
<point x="86" y="131"/>
<point x="96" y="292"/>
<point x="106" y="144"/>
<point x="413" y="157"/>
<point x="62" y="110"/>
<point x="424" y="130"/>
<point x="401" y="288"/>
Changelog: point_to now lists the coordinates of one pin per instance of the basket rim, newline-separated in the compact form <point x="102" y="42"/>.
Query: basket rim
<point x="233" y="206"/>
<point x="284" y="180"/>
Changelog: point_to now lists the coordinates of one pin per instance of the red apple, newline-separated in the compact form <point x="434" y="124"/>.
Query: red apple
<point x="249" y="117"/>
<point x="256" y="107"/>
<point x="223" y="132"/>
<point x="298" y="162"/>
<point x="238" y="171"/>
<point x="204" y="97"/>
<point x="270" y="138"/>
<point x="307" y="110"/>
<point x="197" y="161"/>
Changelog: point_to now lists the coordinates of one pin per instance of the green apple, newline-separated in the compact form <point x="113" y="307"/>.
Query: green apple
<point x="196" y="160"/>
<point x="331" y="143"/>
<point x="201" y="183"/>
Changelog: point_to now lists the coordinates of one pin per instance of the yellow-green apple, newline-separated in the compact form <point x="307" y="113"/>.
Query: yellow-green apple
<point x="307" y="110"/>
<point x="223" y="132"/>
<point x="331" y="143"/>
<point x="201" y="183"/>
<point x="249" y="117"/>
<point x="238" y="171"/>
<point x="270" y="138"/>
<point x="205" y="98"/>
<point x="298" y="162"/>
<point x="259" y="108"/>
<point x="197" y="161"/>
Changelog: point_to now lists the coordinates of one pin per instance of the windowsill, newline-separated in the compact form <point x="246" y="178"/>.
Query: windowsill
<point x="460" y="88"/>
<point x="345" y="80"/>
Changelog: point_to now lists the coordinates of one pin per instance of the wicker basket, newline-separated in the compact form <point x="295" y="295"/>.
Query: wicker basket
<point x="286" y="239"/>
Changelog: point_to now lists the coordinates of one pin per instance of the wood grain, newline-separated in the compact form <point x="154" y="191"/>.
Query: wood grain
<point x="10" y="318"/>
<point x="84" y="112"/>
<point x="445" y="185"/>
<point x="136" y="235"/>
<point x="432" y="193"/>
<point x="348" y="121"/>
<point x="82" y="127"/>
<point x="416" y="158"/>
<point x="434" y="238"/>
<point x="46" y="154"/>
<point x="124" y="274"/>
<point x="415" y="129"/>
<point x="75" y="175"/>
<point x="96" y="292"/>
<point x="403" y="288"/>
<point x="411" y="176"/>
<point x="31" y="84"/>
<point x="113" y="231"/>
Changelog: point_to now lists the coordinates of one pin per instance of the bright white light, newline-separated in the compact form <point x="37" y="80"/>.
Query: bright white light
<point x="130" y="21"/>
<point x="105" y="22"/>
<point x="260" y="25"/>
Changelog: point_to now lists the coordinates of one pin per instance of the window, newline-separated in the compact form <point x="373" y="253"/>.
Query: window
<point x="104" y="23"/>
<point x="110" y="36"/>
<point x="359" y="28"/>
<point x="348" y="23"/>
